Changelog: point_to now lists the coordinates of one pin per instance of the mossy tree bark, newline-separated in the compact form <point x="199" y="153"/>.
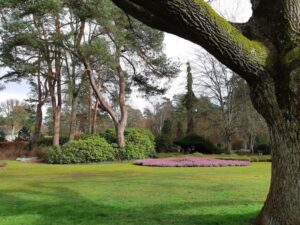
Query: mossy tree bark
<point x="265" y="51"/>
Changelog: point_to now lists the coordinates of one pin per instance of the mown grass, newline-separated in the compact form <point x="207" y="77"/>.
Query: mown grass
<point x="124" y="194"/>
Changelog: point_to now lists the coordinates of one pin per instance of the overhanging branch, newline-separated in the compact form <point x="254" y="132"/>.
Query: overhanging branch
<point x="196" y="21"/>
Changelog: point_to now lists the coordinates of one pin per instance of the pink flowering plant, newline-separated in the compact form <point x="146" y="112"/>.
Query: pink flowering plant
<point x="190" y="162"/>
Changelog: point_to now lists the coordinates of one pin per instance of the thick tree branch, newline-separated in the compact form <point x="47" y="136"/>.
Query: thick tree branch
<point x="196" y="21"/>
<point x="103" y="103"/>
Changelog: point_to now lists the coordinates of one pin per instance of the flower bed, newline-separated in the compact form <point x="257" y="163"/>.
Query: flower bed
<point x="190" y="162"/>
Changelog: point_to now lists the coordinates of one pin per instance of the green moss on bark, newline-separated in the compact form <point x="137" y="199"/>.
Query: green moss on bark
<point x="292" y="56"/>
<point x="255" y="50"/>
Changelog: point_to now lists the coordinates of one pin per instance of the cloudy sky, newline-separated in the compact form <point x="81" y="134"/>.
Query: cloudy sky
<point x="176" y="48"/>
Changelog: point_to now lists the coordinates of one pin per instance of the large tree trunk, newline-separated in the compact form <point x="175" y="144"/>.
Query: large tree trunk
<point x="37" y="127"/>
<point x="282" y="206"/>
<point x="281" y="113"/>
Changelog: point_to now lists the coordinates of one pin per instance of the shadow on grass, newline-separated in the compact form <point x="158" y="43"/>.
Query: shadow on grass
<point x="62" y="206"/>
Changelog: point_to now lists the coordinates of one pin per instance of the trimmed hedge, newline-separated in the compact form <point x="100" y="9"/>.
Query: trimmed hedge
<point x="139" y="144"/>
<point x="90" y="150"/>
<point x="195" y="143"/>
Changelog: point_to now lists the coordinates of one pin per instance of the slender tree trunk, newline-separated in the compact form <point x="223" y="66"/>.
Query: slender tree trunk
<point x="229" y="145"/>
<point x="13" y="132"/>
<point x="120" y="129"/>
<point x="37" y="127"/>
<point x="90" y="110"/>
<point x="42" y="97"/>
<point x="251" y="142"/>
<point x="120" y="124"/>
<point x="56" y="127"/>
<point x="95" y="116"/>
<point x="56" y="95"/>
<point x="124" y="113"/>
<point x="73" y="119"/>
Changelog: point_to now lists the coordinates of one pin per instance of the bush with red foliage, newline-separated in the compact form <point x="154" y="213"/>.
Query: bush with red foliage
<point x="13" y="150"/>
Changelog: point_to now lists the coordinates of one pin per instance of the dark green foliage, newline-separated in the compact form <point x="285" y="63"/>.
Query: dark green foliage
<point x="179" y="130"/>
<point x="90" y="150"/>
<point x="167" y="128"/>
<point x="2" y="136"/>
<point x="24" y="135"/>
<point x="110" y="136"/>
<point x="265" y="149"/>
<point x="261" y="139"/>
<point x="139" y="144"/>
<point x="48" y="141"/>
<point x="164" y="143"/>
<point x="195" y="143"/>
<point x="189" y="100"/>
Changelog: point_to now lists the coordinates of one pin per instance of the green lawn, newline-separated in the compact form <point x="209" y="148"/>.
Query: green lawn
<point x="124" y="194"/>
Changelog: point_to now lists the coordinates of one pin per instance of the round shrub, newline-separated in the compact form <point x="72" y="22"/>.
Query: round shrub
<point x="139" y="144"/>
<point x="195" y="143"/>
<point x="90" y="150"/>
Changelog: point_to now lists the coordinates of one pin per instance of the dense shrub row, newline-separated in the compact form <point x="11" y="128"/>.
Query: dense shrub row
<point x="195" y="143"/>
<point x="48" y="141"/>
<point x="100" y="148"/>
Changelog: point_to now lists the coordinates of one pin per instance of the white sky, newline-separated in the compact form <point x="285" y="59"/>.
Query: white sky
<point x="175" y="47"/>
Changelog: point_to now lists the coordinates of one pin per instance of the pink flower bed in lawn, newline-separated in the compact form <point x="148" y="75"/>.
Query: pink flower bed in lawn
<point x="190" y="162"/>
